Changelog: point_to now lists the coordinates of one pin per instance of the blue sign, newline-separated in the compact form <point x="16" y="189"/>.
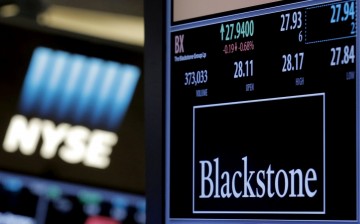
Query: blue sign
<point x="81" y="90"/>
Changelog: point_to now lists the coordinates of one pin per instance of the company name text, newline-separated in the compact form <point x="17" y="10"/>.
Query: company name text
<point x="73" y="144"/>
<point x="217" y="183"/>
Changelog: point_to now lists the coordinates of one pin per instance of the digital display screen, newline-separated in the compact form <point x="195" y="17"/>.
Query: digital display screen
<point x="262" y="114"/>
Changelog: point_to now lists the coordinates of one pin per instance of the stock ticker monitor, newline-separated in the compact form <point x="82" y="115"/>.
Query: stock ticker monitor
<point x="71" y="127"/>
<point x="255" y="114"/>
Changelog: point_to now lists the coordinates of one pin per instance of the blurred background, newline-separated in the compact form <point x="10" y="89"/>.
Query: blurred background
<point x="72" y="112"/>
<point x="119" y="20"/>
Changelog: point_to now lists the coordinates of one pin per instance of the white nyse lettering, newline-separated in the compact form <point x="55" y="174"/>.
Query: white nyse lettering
<point x="52" y="138"/>
<point x="74" y="144"/>
<point x="22" y="135"/>
<point x="100" y="148"/>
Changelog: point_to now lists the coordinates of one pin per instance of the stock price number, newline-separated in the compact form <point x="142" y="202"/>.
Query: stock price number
<point x="237" y="30"/>
<point x="342" y="55"/>
<point x="244" y="69"/>
<point x="291" y="21"/>
<point x="344" y="12"/>
<point x="293" y="62"/>
<point x="195" y="78"/>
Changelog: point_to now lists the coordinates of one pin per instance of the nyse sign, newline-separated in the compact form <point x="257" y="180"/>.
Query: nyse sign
<point x="71" y="106"/>
<point x="73" y="144"/>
